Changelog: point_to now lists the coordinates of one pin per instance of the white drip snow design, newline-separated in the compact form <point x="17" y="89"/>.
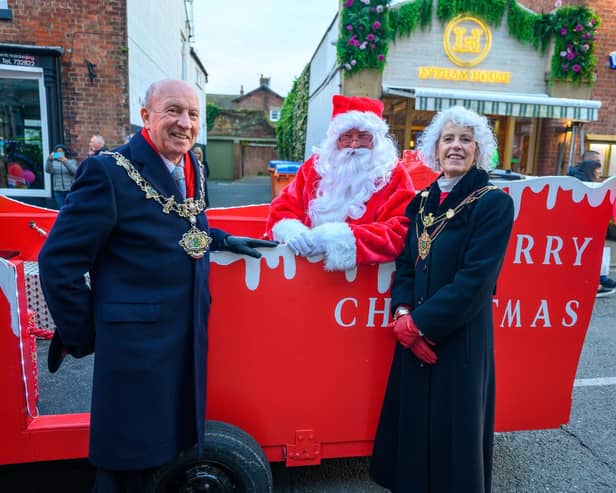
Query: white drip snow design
<point x="594" y="192"/>
<point x="273" y="256"/>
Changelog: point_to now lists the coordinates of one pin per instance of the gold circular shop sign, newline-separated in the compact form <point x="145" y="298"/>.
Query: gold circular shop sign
<point x="467" y="40"/>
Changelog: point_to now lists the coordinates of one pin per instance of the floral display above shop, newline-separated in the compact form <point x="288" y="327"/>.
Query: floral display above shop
<point x="368" y="26"/>
<point x="363" y="40"/>
<point x="574" y="31"/>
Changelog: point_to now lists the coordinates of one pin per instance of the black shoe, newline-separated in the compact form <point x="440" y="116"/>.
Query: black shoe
<point x="608" y="283"/>
<point x="603" y="291"/>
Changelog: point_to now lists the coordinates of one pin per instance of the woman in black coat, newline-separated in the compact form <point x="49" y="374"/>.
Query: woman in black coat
<point x="437" y="422"/>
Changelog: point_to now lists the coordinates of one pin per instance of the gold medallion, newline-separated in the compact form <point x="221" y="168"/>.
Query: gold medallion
<point x="423" y="245"/>
<point x="195" y="242"/>
<point x="428" y="220"/>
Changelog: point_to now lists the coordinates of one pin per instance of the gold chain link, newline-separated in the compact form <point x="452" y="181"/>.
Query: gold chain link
<point x="189" y="208"/>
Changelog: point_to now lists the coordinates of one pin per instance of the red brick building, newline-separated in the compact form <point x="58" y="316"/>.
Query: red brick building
<point x="76" y="53"/>
<point x="69" y="70"/>
<point x="243" y="139"/>
<point x="601" y="134"/>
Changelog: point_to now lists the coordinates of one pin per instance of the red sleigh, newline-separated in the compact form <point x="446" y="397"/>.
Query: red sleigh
<point x="308" y="378"/>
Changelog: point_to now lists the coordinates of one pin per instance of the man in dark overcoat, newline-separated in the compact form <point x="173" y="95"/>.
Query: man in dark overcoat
<point x="140" y="233"/>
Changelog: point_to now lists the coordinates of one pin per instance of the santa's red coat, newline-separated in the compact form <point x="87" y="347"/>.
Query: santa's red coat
<point x="379" y="234"/>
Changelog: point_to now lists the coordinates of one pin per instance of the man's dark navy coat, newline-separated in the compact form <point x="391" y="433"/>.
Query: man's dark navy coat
<point x="147" y="309"/>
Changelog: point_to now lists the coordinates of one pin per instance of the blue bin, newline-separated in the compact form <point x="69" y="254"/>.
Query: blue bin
<point x="273" y="165"/>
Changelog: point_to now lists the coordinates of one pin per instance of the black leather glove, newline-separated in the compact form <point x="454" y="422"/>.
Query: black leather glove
<point x="57" y="351"/>
<point x="245" y="245"/>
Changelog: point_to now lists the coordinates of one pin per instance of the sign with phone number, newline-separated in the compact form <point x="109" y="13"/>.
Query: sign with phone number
<point x="18" y="60"/>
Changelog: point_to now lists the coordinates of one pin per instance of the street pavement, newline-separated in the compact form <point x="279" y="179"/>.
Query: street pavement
<point x="577" y="457"/>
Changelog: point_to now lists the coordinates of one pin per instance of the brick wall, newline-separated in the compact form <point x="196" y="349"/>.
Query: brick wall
<point x="260" y="100"/>
<point x="242" y="123"/>
<point x="604" y="89"/>
<point x="86" y="30"/>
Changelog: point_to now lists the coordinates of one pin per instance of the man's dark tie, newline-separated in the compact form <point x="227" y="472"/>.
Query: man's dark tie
<point x="180" y="179"/>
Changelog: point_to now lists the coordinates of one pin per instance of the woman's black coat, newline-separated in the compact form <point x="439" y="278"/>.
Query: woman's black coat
<point x="436" y="428"/>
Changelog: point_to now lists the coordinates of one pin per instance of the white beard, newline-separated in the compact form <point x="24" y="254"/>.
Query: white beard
<point x="346" y="184"/>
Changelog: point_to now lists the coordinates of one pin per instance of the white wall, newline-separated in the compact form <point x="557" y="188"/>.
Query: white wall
<point x="158" y="49"/>
<point x="322" y="66"/>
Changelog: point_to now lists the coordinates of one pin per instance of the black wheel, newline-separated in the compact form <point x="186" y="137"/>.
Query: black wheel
<point x="232" y="462"/>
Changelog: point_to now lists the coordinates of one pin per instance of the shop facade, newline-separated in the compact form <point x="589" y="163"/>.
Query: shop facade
<point x="542" y="126"/>
<point x="467" y="62"/>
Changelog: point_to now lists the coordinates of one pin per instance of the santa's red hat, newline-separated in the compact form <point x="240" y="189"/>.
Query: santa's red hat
<point x="342" y="104"/>
<point x="365" y="114"/>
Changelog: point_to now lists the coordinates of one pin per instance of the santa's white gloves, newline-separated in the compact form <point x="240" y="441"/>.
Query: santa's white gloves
<point x="335" y="241"/>
<point x="296" y="235"/>
<point x="300" y="243"/>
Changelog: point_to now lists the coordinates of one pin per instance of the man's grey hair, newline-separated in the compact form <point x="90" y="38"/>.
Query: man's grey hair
<point x="153" y="88"/>
<point x="99" y="140"/>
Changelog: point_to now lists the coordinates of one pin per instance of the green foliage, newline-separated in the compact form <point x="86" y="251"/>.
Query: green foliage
<point x="574" y="30"/>
<point x="528" y="27"/>
<point x="364" y="33"/>
<point x="492" y="11"/>
<point x="291" y="128"/>
<point x="403" y="21"/>
<point x="211" y="112"/>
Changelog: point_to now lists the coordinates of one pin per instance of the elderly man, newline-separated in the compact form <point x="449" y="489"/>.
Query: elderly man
<point x="135" y="222"/>
<point x="96" y="145"/>
<point x="348" y="199"/>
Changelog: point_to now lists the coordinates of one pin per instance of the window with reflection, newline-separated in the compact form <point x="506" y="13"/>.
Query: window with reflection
<point x="22" y="128"/>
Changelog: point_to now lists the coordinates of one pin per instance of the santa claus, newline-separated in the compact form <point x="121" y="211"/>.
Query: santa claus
<point x="347" y="201"/>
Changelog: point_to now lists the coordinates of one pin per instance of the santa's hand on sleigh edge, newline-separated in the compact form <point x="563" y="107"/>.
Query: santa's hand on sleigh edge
<point x="300" y="243"/>
<point x="297" y="236"/>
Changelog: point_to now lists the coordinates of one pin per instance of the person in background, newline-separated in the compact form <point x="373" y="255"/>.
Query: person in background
<point x="589" y="170"/>
<point x="62" y="170"/>
<point x="347" y="200"/>
<point x="199" y="155"/>
<point x="96" y="145"/>
<point x="135" y="222"/>
<point x="436" y="428"/>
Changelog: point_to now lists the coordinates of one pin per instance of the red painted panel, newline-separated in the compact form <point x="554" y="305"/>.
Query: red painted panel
<point x="293" y="347"/>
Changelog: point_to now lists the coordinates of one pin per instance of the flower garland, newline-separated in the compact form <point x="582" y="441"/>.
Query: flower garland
<point x="363" y="39"/>
<point x="574" y="32"/>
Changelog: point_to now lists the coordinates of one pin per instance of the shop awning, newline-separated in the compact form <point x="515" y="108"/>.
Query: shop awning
<point x="500" y="103"/>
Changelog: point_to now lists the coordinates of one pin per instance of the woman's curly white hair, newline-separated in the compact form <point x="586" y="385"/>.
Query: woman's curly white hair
<point x="459" y="115"/>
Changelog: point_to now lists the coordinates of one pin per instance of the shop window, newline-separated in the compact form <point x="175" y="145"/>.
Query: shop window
<point x="5" y="12"/>
<point x="607" y="150"/>
<point x="23" y="131"/>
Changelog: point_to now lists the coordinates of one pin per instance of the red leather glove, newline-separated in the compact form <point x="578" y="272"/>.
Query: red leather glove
<point x="421" y="350"/>
<point x="408" y="335"/>
<point x="405" y="330"/>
